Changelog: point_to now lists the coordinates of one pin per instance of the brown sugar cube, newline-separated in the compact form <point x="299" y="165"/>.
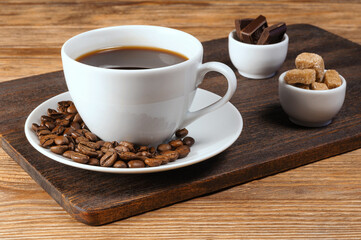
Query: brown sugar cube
<point x="304" y="76"/>
<point x="332" y="79"/>
<point x="311" y="61"/>
<point x="300" y="85"/>
<point x="318" y="86"/>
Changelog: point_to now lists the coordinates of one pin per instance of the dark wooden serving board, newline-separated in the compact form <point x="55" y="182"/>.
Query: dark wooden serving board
<point x="269" y="143"/>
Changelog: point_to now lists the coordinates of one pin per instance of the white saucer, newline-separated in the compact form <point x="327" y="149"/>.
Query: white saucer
<point x="213" y="133"/>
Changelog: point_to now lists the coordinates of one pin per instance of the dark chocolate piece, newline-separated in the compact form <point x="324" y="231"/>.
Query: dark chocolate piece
<point x="241" y="24"/>
<point x="273" y="34"/>
<point x="252" y="32"/>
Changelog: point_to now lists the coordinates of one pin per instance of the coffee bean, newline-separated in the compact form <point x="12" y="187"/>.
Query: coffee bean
<point x="164" y="147"/>
<point x="128" y="156"/>
<point x="189" y="141"/>
<point x="176" y="143"/>
<point x="183" y="151"/>
<point x="75" y="125"/>
<point x="43" y="132"/>
<point x="113" y="150"/>
<point x="121" y="148"/>
<point x="144" y="154"/>
<point x="100" y="154"/>
<point x="54" y="114"/>
<point x="81" y="139"/>
<point x="143" y="148"/>
<point x="63" y="105"/>
<point x="92" y="145"/>
<point x="88" y="146"/>
<point x="62" y="109"/>
<point x="61" y="140"/>
<point x="104" y="149"/>
<point x="58" y="129"/>
<point x="67" y="131"/>
<point x="59" y="149"/>
<point x="101" y="143"/>
<point x="69" y="117"/>
<point x="68" y="153"/>
<point x="66" y="103"/>
<point x="75" y="134"/>
<point x="108" y="144"/>
<point x="77" y="118"/>
<point x="37" y="128"/>
<point x="87" y="150"/>
<point x="71" y="146"/>
<point x="71" y="109"/>
<point x="163" y="158"/>
<point x="50" y="125"/>
<point x="120" y="164"/>
<point x="81" y="131"/>
<point x="172" y="155"/>
<point x="108" y="159"/>
<point x="79" y="157"/>
<point x="52" y="136"/>
<point x="94" y="162"/>
<point x="153" y="162"/>
<point x="46" y="142"/>
<point x="181" y="133"/>
<point x="152" y="150"/>
<point x="45" y="118"/>
<point x="83" y="126"/>
<point x="129" y="145"/>
<point x="91" y="136"/>
<point x="34" y="127"/>
<point x="51" y="111"/>
<point x="43" y="127"/>
<point x="136" y="164"/>
<point x="62" y="122"/>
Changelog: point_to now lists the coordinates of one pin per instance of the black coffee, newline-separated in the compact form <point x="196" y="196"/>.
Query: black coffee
<point x="132" y="57"/>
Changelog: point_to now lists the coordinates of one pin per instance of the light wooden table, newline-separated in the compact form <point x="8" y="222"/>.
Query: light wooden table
<point x="320" y="200"/>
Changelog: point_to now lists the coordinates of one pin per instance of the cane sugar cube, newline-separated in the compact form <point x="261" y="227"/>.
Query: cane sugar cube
<point x="304" y="76"/>
<point x="304" y="86"/>
<point x="332" y="79"/>
<point x="311" y="61"/>
<point x="318" y="86"/>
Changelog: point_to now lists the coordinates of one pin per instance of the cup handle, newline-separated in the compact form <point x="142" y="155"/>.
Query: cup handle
<point x="232" y="85"/>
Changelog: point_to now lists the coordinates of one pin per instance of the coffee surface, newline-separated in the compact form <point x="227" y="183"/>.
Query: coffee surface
<point x="131" y="58"/>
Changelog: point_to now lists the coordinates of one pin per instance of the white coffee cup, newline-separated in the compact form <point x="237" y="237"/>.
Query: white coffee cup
<point x="140" y="106"/>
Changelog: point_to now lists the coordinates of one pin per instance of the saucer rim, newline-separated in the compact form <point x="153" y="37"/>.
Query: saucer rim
<point x="33" y="140"/>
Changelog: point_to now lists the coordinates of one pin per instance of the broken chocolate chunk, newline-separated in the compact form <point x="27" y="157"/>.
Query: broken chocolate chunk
<point x="241" y="24"/>
<point x="273" y="34"/>
<point x="252" y="32"/>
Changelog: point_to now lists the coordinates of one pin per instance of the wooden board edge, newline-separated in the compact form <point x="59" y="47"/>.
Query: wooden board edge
<point x="196" y="189"/>
<point x="214" y="184"/>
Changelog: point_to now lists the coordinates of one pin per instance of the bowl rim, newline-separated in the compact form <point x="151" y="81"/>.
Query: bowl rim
<point x="290" y="87"/>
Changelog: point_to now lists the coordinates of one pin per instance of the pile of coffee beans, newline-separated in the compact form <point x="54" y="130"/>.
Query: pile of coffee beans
<point x="64" y="132"/>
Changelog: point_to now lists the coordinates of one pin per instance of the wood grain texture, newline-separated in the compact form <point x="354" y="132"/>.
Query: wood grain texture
<point x="269" y="142"/>
<point x="318" y="201"/>
<point x="43" y="26"/>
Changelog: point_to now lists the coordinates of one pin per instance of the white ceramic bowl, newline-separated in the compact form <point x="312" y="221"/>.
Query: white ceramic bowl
<point x="311" y="108"/>
<point x="257" y="61"/>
